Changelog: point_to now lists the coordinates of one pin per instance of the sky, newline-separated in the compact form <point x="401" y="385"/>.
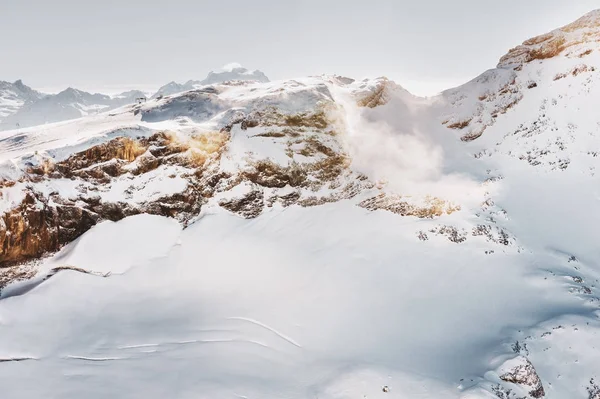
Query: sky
<point x="424" y="45"/>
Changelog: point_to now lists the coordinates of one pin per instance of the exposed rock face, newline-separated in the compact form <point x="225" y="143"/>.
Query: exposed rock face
<point x="35" y="227"/>
<point x="523" y="373"/>
<point x="584" y="31"/>
<point x="248" y="206"/>
<point x="579" y="69"/>
<point x="44" y="223"/>
<point x="379" y="95"/>
<point x="432" y="207"/>
<point x="315" y="162"/>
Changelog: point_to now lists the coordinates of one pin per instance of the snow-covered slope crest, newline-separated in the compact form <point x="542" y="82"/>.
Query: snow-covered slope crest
<point x="576" y="39"/>
<point x="533" y="67"/>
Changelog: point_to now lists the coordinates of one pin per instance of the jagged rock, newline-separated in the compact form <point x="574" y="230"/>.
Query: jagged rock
<point x="378" y="96"/>
<point x="585" y="30"/>
<point x="452" y="233"/>
<point x="248" y="206"/>
<point x="522" y="372"/>
<point x="433" y="207"/>
<point x="269" y="174"/>
<point x="123" y="148"/>
<point x="181" y="206"/>
<point x="35" y="228"/>
<point x="285" y="200"/>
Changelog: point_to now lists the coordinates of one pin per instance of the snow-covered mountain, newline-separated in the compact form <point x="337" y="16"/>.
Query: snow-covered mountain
<point x="317" y="237"/>
<point x="14" y="95"/>
<point x="68" y="104"/>
<point x="229" y="73"/>
<point x="21" y="106"/>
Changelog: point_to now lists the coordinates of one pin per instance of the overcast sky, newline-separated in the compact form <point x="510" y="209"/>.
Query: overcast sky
<point x="424" y="45"/>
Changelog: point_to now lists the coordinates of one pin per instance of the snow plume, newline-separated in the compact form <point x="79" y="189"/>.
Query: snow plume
<point x="387" y="145"/>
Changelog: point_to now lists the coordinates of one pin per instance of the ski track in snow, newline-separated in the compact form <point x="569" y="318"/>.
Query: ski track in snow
<point x="95" y="359"/>
<point x="266" y="327"/>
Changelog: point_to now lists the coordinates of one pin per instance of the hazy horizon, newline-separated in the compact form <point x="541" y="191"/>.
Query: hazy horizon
<point x="111" y="47"/>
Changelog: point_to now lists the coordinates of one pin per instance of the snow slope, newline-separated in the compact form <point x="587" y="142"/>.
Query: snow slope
<point x="346" y="239"/>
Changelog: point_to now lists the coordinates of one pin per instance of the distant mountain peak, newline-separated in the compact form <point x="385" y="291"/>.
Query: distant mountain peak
<point x="234" y="71"/>
<point x="14" y="95"/>
<point x="228" y="72"/>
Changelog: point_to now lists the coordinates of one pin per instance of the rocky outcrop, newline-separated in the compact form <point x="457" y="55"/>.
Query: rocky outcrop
<point x="577" y="35"/>
<point x="521" y="372"/>
<point x="248" y="206"/>
<point x="577" y="70"/>
<point x="431" y="207"/>
<point x="379" y="95"/>
<point x="36" y="227"/>
<point x="43" y="223"/>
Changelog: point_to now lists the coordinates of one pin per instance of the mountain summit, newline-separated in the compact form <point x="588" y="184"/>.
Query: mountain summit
<point x="15" y="95"/>
<point x="234" y="71"/>
<point x="229" y="72"/>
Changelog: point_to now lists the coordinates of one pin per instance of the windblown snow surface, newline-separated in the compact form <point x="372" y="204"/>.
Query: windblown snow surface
<point x="337" y="301"/>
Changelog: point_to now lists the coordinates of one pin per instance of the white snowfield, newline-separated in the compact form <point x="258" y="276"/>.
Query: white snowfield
<point x="333" y="301"/>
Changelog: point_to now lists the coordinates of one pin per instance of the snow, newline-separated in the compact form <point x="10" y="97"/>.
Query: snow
<point x="245" y="145"/>
<point x="332" y="301"/>
<point x="11" y="197"/>
<point x="295" y="297"/>
<point x="57" y="136"/>
<point x="131" y="242"/>
<point x="149" y="186"/>
<point x="291" y="96"/>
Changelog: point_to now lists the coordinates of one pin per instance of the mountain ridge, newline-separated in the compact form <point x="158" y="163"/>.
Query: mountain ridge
<point x="26" y="107"/>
